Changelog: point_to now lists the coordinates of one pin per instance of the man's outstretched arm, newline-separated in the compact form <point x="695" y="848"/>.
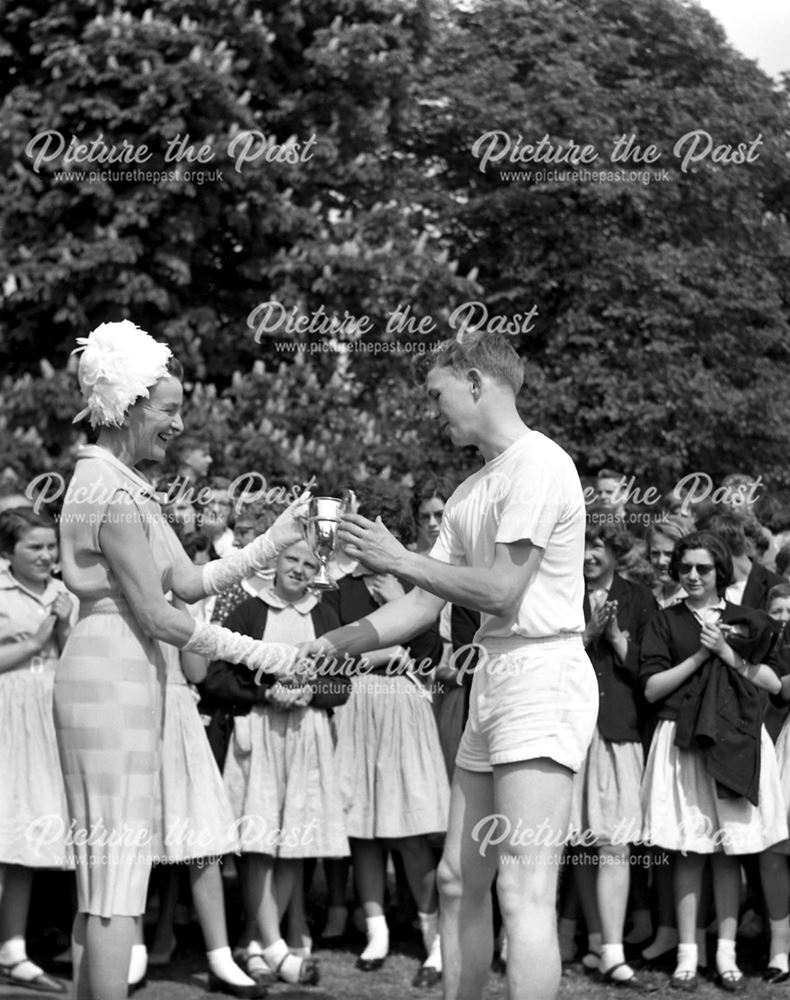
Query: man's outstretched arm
<point x="391" y="624"/>
<point x="493" y="589"/>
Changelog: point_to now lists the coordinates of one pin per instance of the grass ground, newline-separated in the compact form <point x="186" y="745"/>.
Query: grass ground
<point x="186" y="979"/>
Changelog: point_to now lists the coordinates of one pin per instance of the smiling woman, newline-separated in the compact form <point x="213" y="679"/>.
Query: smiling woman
<point x="121" y="558"/>
<point x="153" y="424"/>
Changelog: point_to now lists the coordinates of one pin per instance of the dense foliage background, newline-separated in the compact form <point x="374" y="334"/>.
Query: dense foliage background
<point x="660" y="334"/>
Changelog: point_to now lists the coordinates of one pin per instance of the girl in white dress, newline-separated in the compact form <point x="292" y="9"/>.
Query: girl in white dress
<point x="35" y="616"/>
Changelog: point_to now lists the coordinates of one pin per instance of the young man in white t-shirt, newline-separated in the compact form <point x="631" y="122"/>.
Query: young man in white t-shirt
<point x="511" y="546"/>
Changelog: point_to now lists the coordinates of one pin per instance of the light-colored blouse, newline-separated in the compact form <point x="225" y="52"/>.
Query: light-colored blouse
<point x="22" y="612"/>
<point x="99" y="478"/>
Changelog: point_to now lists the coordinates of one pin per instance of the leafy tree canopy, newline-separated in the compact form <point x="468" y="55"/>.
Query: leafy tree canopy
<point x="653" y="316"/>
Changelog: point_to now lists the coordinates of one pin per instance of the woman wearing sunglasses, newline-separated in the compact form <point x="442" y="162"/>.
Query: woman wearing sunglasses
<point x="684" y="810"/>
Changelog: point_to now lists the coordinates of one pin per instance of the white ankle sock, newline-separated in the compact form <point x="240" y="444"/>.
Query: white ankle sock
<point x="378" y="938"/>
<point x="780" y="944"/>
<point x="12" y="951"/>
<point x="434" y="959"/>
<point x="275" y="954"/>
<point x="138" y="963"/>
<point x="687" y="958"/>
<point x="429" y="928"/>
<point x="221" y="963"/>
<point x="725" y="956"/>
<point x="613" y="955"/>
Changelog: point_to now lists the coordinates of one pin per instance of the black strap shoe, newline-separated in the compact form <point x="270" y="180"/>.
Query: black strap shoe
<point x="427" y="977"/>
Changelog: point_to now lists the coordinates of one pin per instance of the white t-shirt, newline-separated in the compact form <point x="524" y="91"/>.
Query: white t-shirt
<point x="529" y="492"/>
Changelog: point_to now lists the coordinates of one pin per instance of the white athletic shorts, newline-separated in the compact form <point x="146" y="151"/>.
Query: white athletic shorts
<point x="537" y="699"/>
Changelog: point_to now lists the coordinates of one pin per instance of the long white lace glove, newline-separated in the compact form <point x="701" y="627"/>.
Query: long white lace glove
<point x="216" y="642"/>
<point x="220" y="574"/>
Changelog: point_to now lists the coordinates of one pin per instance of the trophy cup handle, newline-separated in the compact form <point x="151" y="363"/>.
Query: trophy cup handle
<point x="349" y="498"/>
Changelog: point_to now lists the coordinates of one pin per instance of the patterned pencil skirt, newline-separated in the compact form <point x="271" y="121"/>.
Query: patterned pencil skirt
<point x="108" y="712"/>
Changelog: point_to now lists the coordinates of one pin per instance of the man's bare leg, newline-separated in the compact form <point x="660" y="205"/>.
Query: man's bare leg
<point x="464" y="876"/>
<point x="535" y="796"/>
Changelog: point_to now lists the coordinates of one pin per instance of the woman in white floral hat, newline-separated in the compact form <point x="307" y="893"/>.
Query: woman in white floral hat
<point x="120" y="558"/>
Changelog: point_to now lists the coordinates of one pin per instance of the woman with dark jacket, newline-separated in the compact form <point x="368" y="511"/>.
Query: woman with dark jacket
<point x="606" y="805"/>
<point x="688" y="653"/>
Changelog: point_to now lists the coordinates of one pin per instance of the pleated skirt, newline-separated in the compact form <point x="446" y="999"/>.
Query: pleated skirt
<point x="108" y="709"/>
<point x="392" y="774"/>
<point x="606" y="804"/>
<point x="682" y="811"/>
<point x="281" y="779"/>
<point x="197" y="820"/>
<point x="34" y="818"/>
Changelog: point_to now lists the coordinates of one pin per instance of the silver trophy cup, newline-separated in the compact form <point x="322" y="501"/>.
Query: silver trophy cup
<point x="320" y="531"/>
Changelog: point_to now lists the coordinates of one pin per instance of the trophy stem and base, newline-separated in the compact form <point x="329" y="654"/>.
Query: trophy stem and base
<point x="322" y="581"/>
<point x="320" y="531"/>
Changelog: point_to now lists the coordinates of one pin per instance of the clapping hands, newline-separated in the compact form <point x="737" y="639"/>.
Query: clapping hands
<point x="62" y="607"/>
<point x="613" y="630"/>
<point x="603" y="621"/>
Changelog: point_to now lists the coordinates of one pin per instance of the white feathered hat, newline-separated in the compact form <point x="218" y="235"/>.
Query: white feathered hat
<point x="119" y="362"/>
